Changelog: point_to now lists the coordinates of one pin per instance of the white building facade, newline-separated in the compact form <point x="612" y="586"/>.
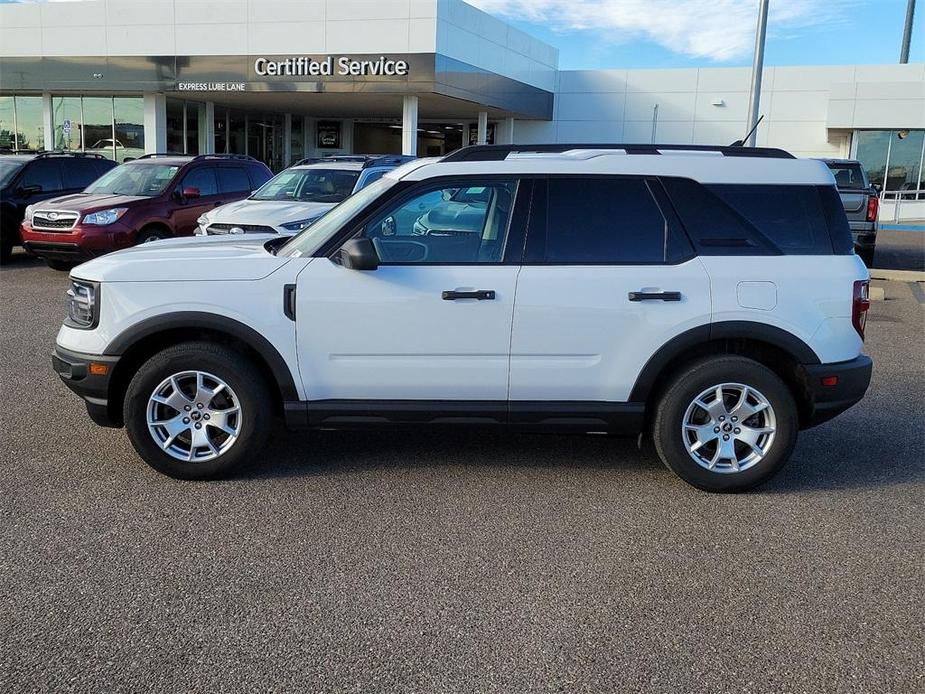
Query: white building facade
<point x="285" y="79"/>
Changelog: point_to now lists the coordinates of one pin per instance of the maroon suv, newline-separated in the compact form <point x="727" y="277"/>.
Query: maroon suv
<point x="153" y="197"/>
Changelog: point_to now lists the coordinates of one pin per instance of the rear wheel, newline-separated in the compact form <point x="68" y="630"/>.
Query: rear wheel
<point x="726" y="424"/>
<point x="197" y="410"/>
<point x="6" y="248"/>
<point x="867" y="255"/>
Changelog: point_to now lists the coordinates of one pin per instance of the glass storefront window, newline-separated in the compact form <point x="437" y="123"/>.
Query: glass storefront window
<point x="221" y="130"/>
<point x="237" y="141"/>
<point x="67" y="122"/>
<point x="296" y="140"/>
<point x="192" y="128"/>
<point x="97" y="126"/>
<point x="7" y="123"/>
<point x="175" y="119"/>
<point x="30" y="127"/>
<point x="892" y="158"/>
<point x="129" y="125"/>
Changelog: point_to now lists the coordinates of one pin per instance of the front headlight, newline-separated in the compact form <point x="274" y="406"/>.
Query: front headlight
<point x="104" y="217"/>
<point x="203" y="220"/>
<point x="27" y="215"/>
<point x="300" y="224"/>
<point x="83" y="309"/>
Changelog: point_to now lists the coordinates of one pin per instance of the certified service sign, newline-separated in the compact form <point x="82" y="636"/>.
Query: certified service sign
<point x="344" y="65"/>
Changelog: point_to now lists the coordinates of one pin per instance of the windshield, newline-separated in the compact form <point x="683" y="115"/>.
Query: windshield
<point x="849" y="176"/>
<point x="309" y="185"/>
<point x="134" y="179"/>
<point x="311" y="239"/>
<point x="8" y="169"/>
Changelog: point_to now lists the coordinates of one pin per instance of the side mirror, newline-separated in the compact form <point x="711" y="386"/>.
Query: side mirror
<point x="878" y="187"/>
<point x="33" y="189"/>
<point x="359" y="254"/>
<point x="191" y="192"/>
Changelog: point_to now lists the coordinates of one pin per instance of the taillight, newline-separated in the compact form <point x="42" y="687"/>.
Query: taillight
<point x="859" y="305"/>
<point x="873" y="207"/>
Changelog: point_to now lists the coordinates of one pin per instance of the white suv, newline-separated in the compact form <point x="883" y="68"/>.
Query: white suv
<point x="706" y="297"/>
<point x="295" y="198"/>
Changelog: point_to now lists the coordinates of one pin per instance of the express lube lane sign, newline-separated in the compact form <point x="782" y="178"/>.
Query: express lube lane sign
<point x="345" y="65"/>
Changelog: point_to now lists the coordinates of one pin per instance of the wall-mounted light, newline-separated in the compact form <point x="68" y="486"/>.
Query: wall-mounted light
<point x="97" y="75"/>
<point x="718" y="102"/>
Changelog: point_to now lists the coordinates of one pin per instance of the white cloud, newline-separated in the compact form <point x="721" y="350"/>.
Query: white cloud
<point x="718" y="30"/>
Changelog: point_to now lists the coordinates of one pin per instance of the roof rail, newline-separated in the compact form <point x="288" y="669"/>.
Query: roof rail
<point x="367" y="160"/>
<point x="155" y="155"/>
<point x="499" y="152"/>
<point x="67" y="153"/>
<point x="245" y="157"/>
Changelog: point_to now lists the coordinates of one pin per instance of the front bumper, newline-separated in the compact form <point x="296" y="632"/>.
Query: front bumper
<point x="828" y="401"/>
<point x="79" y="243"/>
<point x="74" y="369"/>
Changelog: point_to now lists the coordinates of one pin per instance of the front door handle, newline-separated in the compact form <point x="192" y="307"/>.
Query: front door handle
<point x="480" y="294"/>
<point x="655" y="296"/>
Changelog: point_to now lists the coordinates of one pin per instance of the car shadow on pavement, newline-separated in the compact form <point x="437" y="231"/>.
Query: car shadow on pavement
<point x="830" y="457"/>
<point x="21" y="261"/>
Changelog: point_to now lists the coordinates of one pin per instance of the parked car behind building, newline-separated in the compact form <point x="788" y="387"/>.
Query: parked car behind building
<point x="154" y="197"/>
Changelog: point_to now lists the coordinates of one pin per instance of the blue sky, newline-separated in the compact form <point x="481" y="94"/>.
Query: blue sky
<point x="690" y="33"/>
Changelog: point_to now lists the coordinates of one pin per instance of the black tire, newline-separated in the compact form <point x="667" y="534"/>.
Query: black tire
<point x="152" y="233"/>
<point x="241" y="376"/>
<point x="59" y="265"/>
<point x="669" y="436"/>
<point x="867" y="256"/>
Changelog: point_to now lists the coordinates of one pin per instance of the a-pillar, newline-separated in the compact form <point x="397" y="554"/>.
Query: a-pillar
<point x="409" y="125"/>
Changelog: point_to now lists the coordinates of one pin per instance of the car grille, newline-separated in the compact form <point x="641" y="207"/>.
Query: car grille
<point x="46" y="220"/>
<point x="248" y="228"/>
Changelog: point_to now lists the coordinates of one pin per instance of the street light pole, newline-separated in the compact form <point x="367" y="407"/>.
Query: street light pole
<point x="907" y="32"/>
<point x="757" y="69"/>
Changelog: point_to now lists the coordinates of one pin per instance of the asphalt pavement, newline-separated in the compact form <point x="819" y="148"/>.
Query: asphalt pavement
<point x="421" y="562"/>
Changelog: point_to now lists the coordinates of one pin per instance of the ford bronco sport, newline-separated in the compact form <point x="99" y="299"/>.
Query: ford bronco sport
<point x="708" y="297"/>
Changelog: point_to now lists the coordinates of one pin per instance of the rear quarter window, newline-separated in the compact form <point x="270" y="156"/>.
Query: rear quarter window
<point x="258" y="176"/>
<point x="791" y="217"/>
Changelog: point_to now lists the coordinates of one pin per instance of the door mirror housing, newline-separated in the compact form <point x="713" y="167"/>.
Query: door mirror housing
<point x="359" y="254"/>
<point x="190" y="192"/>
<point x="29" y="190"/>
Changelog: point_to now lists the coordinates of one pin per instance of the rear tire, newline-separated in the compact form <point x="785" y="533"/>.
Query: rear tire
<point x="867" y="256"/>
<point x="728" y="445"/>
<point x="205" y="385"/>
<point x="59" y="265"/>
<point x="6" y="249"/>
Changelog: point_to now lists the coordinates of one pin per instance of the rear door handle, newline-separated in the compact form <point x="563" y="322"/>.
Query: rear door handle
<point x="655" y="296"/>
<point x="480" y="294"/>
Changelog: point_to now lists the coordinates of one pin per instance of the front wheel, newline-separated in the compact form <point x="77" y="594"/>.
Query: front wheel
<point x="197" y="410"/>
<point x="726" y="424"/>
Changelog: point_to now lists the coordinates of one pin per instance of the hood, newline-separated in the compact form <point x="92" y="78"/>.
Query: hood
<point x="268" y="212"/>
<point x="197" y="258"/>
<point x="82" y="202"/>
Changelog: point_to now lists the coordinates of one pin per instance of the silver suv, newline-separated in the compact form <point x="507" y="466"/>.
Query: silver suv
<point x="295" y="198"/>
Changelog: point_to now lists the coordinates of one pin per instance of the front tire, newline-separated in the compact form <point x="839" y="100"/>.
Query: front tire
<point x="726" y="424"/>
<point x="197" y="411"/>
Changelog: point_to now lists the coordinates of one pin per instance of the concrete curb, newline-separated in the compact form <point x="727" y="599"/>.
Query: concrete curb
<point x="897" y="275"/>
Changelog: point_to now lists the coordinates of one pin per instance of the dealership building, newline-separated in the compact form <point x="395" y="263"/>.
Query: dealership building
<point x="285" y="79"/>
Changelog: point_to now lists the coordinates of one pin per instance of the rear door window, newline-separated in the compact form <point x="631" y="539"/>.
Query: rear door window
<point x="600" y="220"/>
<point x="258" y="176"/>
<point x="79" y="173"/>
<point x="44" y="173"/>
<point x="233" y="179"/>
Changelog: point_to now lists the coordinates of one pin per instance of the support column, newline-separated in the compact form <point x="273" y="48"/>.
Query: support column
<point x="506" y="134"/>
<point x="483" y="128"/>
<point x="155" y="106"/>
<point x="207" y="128"/>
<point x="409" y="125"/>
<point x="287" y="139"/>
<point x="465" y="134"/>
<point x="48" y="121"/>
